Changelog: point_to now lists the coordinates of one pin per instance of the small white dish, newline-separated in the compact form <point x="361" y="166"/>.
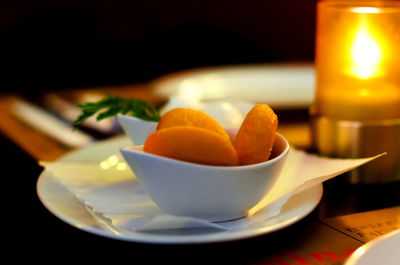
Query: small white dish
<point x="136" y="129"/>
<point x="213" y="193"/>
<point x="383" y="250"/>
<point x="282" y="86"/>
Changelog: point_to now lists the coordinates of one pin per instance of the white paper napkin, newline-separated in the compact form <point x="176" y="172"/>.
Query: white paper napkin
<point x="117" y="198"/>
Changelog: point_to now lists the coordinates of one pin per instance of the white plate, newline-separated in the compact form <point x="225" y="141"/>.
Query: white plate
<point x="68" y="208"/>
<point x="383" y="250"/>
<point x="281" y="86"/>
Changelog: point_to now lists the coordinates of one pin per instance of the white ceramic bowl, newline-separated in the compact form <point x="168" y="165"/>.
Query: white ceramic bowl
<point x="213" y="193"/>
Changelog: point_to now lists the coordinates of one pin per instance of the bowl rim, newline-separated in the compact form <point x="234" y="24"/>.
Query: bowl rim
<point x="215" y="167"/>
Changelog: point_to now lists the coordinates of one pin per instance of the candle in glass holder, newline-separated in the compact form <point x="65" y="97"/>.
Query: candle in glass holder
<point x="357" y="105"/>
<point x="358" y="60"/>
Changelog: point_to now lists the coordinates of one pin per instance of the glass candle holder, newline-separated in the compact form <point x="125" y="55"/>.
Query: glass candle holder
<point x="357" y="105"/>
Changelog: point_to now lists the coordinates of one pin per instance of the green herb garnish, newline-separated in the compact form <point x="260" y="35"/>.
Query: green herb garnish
<point x="117" y="105"/>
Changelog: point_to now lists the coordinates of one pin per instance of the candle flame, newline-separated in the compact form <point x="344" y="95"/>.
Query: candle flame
<point x="366" y="54"/>
<point x="366" y="10"/>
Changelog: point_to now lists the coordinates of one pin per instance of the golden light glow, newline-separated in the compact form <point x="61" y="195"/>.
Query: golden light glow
<point x="358" y="60"/>
<point x="364" y="93"/>
<point x="365" y="10"/>
<point x="253" y="210"/>
<point x="366" y="54"/>
<point x="189" y="88"/>
<point x="113" y="161"/>
<point x="197" y="88"/>
<point x="104" y="165"/>
<point x="121" y="166"/>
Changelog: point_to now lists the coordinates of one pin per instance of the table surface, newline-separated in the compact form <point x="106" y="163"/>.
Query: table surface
<point x="31" y="226"/>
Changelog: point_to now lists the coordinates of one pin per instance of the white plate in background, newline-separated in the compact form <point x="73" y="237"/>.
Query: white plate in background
<point x="283" y="86"/>
<point x="383" y="250"/>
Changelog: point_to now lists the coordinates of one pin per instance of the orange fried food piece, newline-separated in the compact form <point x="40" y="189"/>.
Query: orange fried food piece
<point x="256" y="136"/>
<point x="192" y="144"/>
<point x="190" y="117"/>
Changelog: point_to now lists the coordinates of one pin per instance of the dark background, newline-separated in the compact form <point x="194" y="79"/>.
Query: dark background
<point x="63" y="44"/>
